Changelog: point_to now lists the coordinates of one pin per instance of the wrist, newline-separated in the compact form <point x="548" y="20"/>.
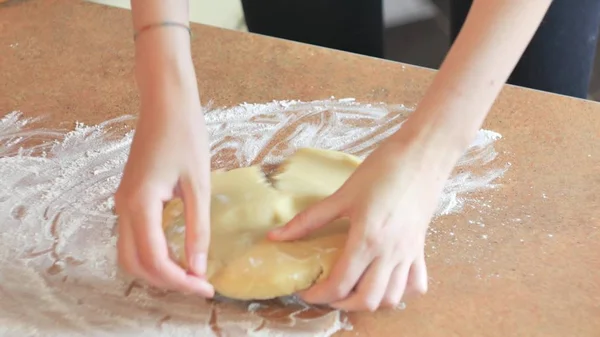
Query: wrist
<point x="165" y="79"/>
<point x="447" y="118"/>
<point x="431" y="143"/>
<point x="163" y="58"/>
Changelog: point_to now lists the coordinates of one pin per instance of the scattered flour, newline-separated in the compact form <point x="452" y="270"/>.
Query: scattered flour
<point x="58" y="272"/>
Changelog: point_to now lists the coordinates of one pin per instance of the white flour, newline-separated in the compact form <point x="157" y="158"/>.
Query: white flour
<point x="58" y="273"/>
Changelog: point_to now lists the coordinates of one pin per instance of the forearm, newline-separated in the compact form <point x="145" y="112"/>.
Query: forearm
<point x="162" y="54"/>
<point x="488" y="48"/>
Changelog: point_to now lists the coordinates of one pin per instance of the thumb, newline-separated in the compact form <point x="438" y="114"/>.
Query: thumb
<point x="312" y="218"/>
<point x="196" y="198"/>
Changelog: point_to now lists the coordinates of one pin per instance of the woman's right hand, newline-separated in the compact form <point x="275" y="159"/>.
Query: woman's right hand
<point x="169" y="152"/>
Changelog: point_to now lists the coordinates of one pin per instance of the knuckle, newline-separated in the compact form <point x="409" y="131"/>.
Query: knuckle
<point x="126" y="201"/>
<point x="302" y="218"/>
<point x="372" y="241"/>
<point x="152" y="265"/>
<point x="137" y="201"/>
<point x="339" y="292"/>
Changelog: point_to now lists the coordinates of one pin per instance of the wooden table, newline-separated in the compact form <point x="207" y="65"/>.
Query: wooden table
<point x="538" y="272"/>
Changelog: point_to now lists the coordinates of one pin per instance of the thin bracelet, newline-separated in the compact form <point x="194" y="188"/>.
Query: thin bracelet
<point x="161" y="24"/>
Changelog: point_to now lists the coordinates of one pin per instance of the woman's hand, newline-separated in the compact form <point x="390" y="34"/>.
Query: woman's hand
<point x="393" y="194"/>
<point x="389" y="200"/>
<point x="169" y="152"/>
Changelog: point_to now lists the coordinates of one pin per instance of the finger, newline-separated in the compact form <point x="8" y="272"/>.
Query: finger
<point x="126" y="251"/>
<point x="344" y="276"/>
<point x="396" y="287"/>
<point x="128" y="258"/>
<point x="417" y="279"/>
<point x="154" y="255"/>
<point x="312" y="218"/>
<point x="371" y="288"/>
<point x="196" y="199"/>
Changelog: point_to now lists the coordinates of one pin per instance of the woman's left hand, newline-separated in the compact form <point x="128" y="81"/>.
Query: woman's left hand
<point x="389" y="200"/>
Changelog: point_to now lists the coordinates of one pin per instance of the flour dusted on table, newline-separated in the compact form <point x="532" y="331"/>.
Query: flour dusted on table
<point x="58" y="271"/>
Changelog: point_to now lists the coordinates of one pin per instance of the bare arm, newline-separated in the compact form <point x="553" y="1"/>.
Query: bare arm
<point x="392" y="195"/>
<point x="488" y="48"/>
<point x="162" y="54"/>
<point x="169" y="151"/>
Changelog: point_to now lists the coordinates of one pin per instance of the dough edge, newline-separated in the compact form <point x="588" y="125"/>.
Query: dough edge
<point x="226" y="278"/>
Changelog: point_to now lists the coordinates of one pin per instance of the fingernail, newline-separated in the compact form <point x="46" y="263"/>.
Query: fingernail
<point x="200" y="263"/>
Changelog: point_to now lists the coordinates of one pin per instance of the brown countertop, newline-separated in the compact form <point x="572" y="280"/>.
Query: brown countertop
<point x="538" y="273"/>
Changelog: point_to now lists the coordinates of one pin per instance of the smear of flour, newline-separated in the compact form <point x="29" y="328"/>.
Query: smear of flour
<point x="58" y="271"/>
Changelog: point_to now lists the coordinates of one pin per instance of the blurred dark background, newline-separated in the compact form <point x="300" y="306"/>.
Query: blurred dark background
<point x="427" y="33"/>
<point x="417" y="31"/>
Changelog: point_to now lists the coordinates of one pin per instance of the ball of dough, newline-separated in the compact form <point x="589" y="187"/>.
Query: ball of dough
<point x="242" y="263"/>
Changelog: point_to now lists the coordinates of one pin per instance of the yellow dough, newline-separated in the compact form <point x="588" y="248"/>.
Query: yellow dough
<point x="242" y="263"/>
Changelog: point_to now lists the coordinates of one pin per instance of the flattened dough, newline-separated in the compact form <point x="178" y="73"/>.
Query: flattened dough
<point x="242" y="263"/>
